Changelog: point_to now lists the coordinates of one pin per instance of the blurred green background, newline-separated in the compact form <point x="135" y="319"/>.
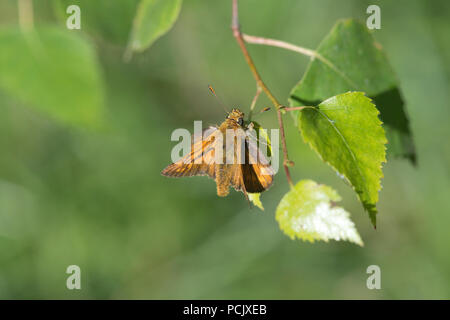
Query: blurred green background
<point x="93" y="196"/>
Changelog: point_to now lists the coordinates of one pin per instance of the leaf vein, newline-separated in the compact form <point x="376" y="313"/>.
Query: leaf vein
<point x="346" y="145"/>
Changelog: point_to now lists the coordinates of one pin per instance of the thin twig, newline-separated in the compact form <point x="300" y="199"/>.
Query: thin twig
<point x="296" y="108"/>
<point x="240" y="40"/>
<point x="279" y="44"/>
<point x="292" y="47"/>
<point x="255" y="98"/>
<point x="238" y="35"/>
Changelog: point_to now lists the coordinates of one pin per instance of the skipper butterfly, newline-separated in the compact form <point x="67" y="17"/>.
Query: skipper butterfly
<point x="243" y="166"/>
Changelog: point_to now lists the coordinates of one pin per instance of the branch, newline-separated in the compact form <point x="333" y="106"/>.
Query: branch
<point x="240" y="40"/>
<point x="296" y="108"/>
<point x="255" y="98"/>
<point x="279" y="44"/>
<point x="289" y="46"/>
<point x="238" y="35"/>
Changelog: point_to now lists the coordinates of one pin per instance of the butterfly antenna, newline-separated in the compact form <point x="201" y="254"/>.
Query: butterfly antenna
<point x="261" y="112"/>
<point x="211" y="89"/>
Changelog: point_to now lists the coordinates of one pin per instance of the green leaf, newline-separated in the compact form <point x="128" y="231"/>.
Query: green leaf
<point x="308" y="212"/>
<point x="55" y="71"/>
<point x="153" y="19"/>
<point x="100" y="17"/>
<point x="255" y="198"/>
<point x="346" y="133"/>
<point x="351" y="60"/>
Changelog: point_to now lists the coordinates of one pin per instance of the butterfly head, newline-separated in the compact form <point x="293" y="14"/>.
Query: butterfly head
<point x="237" y="116"/>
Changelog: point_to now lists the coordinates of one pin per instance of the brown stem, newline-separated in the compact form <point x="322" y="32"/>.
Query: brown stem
<point x="286" y="161"/>
<point x="292" y="47"/>
<point x="255" y="98"/>
<point x="240" y="40"/>
<point x="296" y="108"/>
<point x="279" y="44"/>
<point x="238" y="35"/>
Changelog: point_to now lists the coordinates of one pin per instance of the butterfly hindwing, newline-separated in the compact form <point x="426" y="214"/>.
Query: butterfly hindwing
<point x="255" y="175"/>
<point x="257" y="172"/>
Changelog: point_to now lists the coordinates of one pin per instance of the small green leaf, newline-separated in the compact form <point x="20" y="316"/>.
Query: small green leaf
<point x="255" y="198"/>
<point x="307" y="212"/>
<point x="55" y="71"/>
<point x="346" y="133"/>
<point x="153" y="19"/>
<point x="100" y="17"/>
<point x="351" y="60"/>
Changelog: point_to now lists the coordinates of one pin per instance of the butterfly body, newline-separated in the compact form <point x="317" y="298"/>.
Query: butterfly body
<point x="244" y="175"/>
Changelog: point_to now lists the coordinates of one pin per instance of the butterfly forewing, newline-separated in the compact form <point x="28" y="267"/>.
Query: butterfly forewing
<point x="200" y="161"/>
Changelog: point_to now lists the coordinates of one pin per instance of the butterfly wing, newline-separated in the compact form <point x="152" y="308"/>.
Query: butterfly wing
<point x="202" y="149"/>
<point x="255" y="175"/>
<point x="257" y="171"/>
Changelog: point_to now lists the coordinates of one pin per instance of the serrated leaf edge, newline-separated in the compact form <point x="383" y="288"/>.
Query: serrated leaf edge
<point x="379" y="186"/>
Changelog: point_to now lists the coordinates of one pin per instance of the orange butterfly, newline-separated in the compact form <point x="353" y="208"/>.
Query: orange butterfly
<point x="249" y="170"/>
